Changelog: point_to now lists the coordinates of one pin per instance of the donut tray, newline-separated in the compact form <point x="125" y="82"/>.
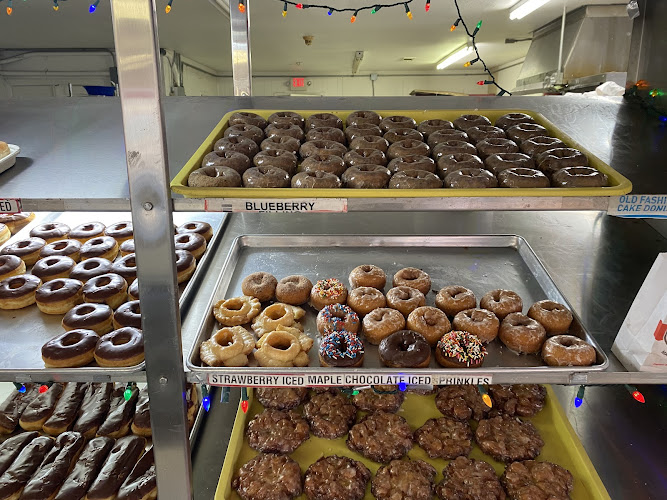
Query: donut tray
<point x="24" y="331"/>
<point x="481" y="263"/>
<point x="618" y="184"/>
<point x="562" y="447"/>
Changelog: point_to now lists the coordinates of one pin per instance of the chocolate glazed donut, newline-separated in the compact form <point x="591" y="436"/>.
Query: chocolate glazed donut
<point x="405" y="349"/>
<point x="70" y="349"/>
<point x="282" y="143"/>
<point x="122" y="347"/>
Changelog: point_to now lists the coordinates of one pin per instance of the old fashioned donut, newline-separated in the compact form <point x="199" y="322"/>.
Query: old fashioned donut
<point x="553" y="316"/>
<point x="405" y="299"/>
<point x="265" y="177"/>
<point x="578" y="177"/>
<point x="322" y="147"/>
<point x="231" y="159"/>
<point x="50" y="268"/>
<point x="521" y="333"/>
<point x="405" y="349"/>
<point x="454" y="299"/>
<point x="552" y="160"/>
<point x="480" y="322"/>
<point x="260" y="285"/>
<point x="279" y="158"/>
<point x="407" y="147"/>
<point x="458" y="349"/>
<point x="323" y="120"/>
<point x="251" y="132"/>
<point x="380" y="323"/>
<point x="249" y="118"/>
<point x="363" y="117"/>
<point x="341" y="349"/>
<point x="523" y="178"/>
<point x="327" y="134"/>
<point x="108" y="289"/>
<point x="411" y="162"/>
<point x="414" y="278"/>
<point x="122" y="347"/>
<point x="464" y="122"/>
<point x="369" y="142"/>
<point x="397" y="121"/>
<point x="414" y="179"/>
<point x="287" y="117"/>
<point x="104" y="247"/>
<point x="59" y="295"/>
<point x="430" y="322"/>
<point x="365" y="156"/>
<point x="317" y="179"/>
<point x="87" y="231"/>
<point x="284" y="130"/>
<point x="11" y="265"/>
<point x="427" y="127"/>
<point x="214" y="177"/>
<point x="236" y="310"/>
<point x="70" y="349"/>
<point x="470" y="178"/>
<point x="128" y="314"/>
<point x="452" y="146"/>
<point x="481" y="132"/>
<point x="501" y="302"/>
<point x="90" y="268"/>
<point x="498" y="162"/>
<point x="537" y="145"/>
<point x="326" y="292"/>
<point x="15" y="222"/>
<point x="280" y="348"/>
<point x="120" y="231"/>
<point x="50" y="231"/>
<point x="278" y="316"/>
<point x="399" y="134"/>
<point x="354" y="131"/>
<point x="229" y="346"/>
<point x="491" y="146"/>
<point x="523" y="131"/>
<point x="445" y="135"/>
<point x="238" y="144"/>
<point x="294" y="290"/>
<point x="28" y="250"/>
<point x="368" y="275"/>
<point x="283" y="143"/>
<point x="337" y="318"/>
<point x="95" y="317"/>
<point x="568" y="350"/>
<point x="192" y="242"/>
<point x="17" y="292"/>
<point x="331" y="164"/>
<point x="69" y="248"/>
<point x="448" y="163"/>
<point x="511" y="119"/>
<point x="366" y="177"/>
<point x="126" y="267"/>
<point x="365" y="299"/>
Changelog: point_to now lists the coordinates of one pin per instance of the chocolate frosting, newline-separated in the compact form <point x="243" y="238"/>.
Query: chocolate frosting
<point x="97" y="246"/>
<point x="120" y="411"/>
<point x="43" y="405"/>
<point x="51" y="266"/>
<point x="126" y="267"/>
<point x="57" y="290"/>
<point x="50" y="230"/>
<point x="70" y="344"/>
<point x="141" y="481"/>
<point x="86" y="468"/>
<point x="405" y="348"/>
<point x="142" y="414"/>
<point x="15" y="478"/>
<point x="94" y="408"/>
<point x="119" y="229"/>
<point x="9" y="263"/>
<point x="184" y="260"/>
<point x="120" y="344"/>
<point x="104" y="286"/>
<point x="87" y="230"/>
<point x="87" y="315"/>
<point x="117" y="467"/>
<point x="12" y="407"/>
<point x="11" y="448"/>
<point x="90" y="268"/>
<point x="60" y="247"/>
<point x="194" y="227"/>
<point x="19" y="286"/>
<point x="129" y="314"/>
<point x="24" y="247"/>
<point x="66" y="409"/>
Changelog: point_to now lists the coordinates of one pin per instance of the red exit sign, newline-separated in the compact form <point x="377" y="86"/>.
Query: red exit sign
<point x="298" y="82"/>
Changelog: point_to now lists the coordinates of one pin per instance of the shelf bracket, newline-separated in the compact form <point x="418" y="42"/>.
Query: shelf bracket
<point x="239" y="23"/>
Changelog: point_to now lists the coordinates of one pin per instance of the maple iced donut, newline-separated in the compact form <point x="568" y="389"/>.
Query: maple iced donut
<point x="260" y="285"/>
<point x="51" y="268"/>
<point x="69" y="248"/>
<point x="214" y="177"/>
<point x="279" y="158"/>
<point x="452" y="146"/>
<point x="365" y="156"/>
<point x="369" y="142"/>
<point x="368" y="275"/>
<point x="498" y="162"/>
<point x="366" y="177"/>
<point x="59" y="295"/>
<point x="337" y="318"/>
<point x="203" y="228"/>
<point x="414" y="179"/>
<point x="523" y="178"/>
<point x="444" y="135"/>
<point x="265" y="177"/>
<point x="568" y="350"/>
<point x="471" y="178"/>
<point x="511" y="119"/>
<point x="245" y="130"/>
<point x="285" y="130"/>
<point x="294" y="290"/>
<point x="230" y="159"/>
<point x="323" y="120"/>
<point x="411" y="162"/>
<point x="238" y="144"/>
<point x="327" y="292"/>
<point x="316" y="180"/>
<point x="414" y="278"/>
<point x="28" y="250"/>
<point x="322" y="147"/>
<point x="96" y="317"/>
<point x="17" y="292"/>
<point x="327" y="134"/>
<point x="480" y="322"/>
<point x="87" y="231"/>
<point x="90" y="268"/>
<point x="481" y="132"/>
<point x="50" y="231"/>
<point x="449" y="163"/>
<point x="501" y="302"/>
<point x="407" y="147"/>
<point x="464" y="122"/>
<point x="363" y="117"/>
<point x="286" y="117"/>
<point x="365" y="299"/>
<point x="399" y="134"/>
<point x="246" y="117"/>
<point x="553" y="316"/>
<point x="331" y="164"/>
<point x="397" y="121"/>
<point x="523" y="131"/>
<point x="427" y="127"/>
<point x="11" y="265"/>
<point x="380" y="323"/>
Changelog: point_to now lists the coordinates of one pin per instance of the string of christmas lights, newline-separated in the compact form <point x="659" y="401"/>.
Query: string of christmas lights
<point x="355" y="10"/>
<point x="642" y="93"/>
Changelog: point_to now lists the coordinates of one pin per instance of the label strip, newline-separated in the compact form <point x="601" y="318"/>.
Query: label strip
<point x="638" y="206"/>
<point x="329" y="379"/>
<point x="10" y="205"/>
<point x="265" y="205"/>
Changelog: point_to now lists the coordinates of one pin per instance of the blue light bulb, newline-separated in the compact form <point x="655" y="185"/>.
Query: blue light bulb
<point x="578" y="402"/>
<point x="206" y="403"/>
<point x="22" y="388"/>
<point x="93" y="6"/>
<point x="402" y="386"/>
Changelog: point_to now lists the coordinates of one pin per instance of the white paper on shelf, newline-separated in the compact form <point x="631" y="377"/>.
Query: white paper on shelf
<point x="297" y="205"/>
<point x="640" y="206"/>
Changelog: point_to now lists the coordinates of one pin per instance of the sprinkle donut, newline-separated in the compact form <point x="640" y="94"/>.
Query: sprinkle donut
<point x="337" y="318"/>
<point x="460" y="350"/>
<point x="341" y="349"/>
<point x="326" y="292"/>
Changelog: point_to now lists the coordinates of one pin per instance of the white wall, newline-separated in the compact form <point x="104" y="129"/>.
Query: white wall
<point x="508" y="76"/>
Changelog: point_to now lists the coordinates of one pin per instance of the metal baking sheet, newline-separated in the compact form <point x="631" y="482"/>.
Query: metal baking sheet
<point x="24" y="331"/>
<point x="481" y="263"/>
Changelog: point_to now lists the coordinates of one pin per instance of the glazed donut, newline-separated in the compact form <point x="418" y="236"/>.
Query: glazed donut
<point x="236" y="310"/>
<point x="279" y="158"/>
<point x="294" y="290"/>
<point x="464" y="122"/>
<point x="578" y="177"/>
<point x="238" y="144"/>
<point x="427" y="127"/>
<point x="358" y="157"/>
<point x="405" y="299"/>
<point x="127" y="247"/>
<point x="452" y="146"/>
<point x="363" y="117"/>
<point x="523" y="178"/>
<point x="247" y="117"/>
<point x="407" y="147"/>
<point x="405" y="349"/>
<point x="17" y="292"/>
<point x="355" y="131"/>
<point x="59" y="295"/>
<point x="70" y="349"/>
<point x="498" y="162"/>
<point x="364" y="299"/>
<point x="265" y="177"/>
<point x="444" y="135"/>
<point x="455" y="298"/>
<point x="89" y="268"/>
<point x="331" y="164"/>
<point x="230" y="159"/>
<point x="95" y="317"/>
<point x="460" y="350"/>
<point x="341" y="349"/>
<point x="228" y="346"/>
<point x="501" y="302"/>
<point x="11" y="265"/>
<point x="399" y="134"/>
<point x="287" y="117"/>
<point x="107" y="288"/>
<point x="511" y="119"/>
<point x="481" y="132"/>
<point x="192" y="242"/>
<point x="68" y="248"/>
<point x="430" y="322"/>
<point x="449" y="163"/>
<point x="245" y="130"/>
<point x="260" y="285"/>
<point x="337" y="318"/>
<point x="327" y="292"/>
<point x="15" y="222"/>
<point x="537" y="145"/>
<point x="397" y="121"/>
<point x="104" y="247"/>
<point x="202" y="228"/>
<point x="120" y="231"/>
<point x="414" y="179"/>
<point x="5" y="233"/>
<point x="480" y="322"/>
<point x="50" y="231"/>
<point x="366" y="177"/>
<point x="368" y="275"/>
<point x="316" y="180"/>
<point x="279" y="316"/>
<point x="369" y="142"/>
<point x="521" y="333"/>
<point x="326" y="134"/>
<point x="214" y="177"/>
<point x="554" y="159"/>
<point x="492" y="146"/>
<point x="133" y="290"/>
<point x="284" y="130"/>
<point x="87" y="231"/>
<point x="380" y="323"/>
<point x="568" y="350"/>
<point x="185" y="265"/>
<point x="554" y="317"/>
<point x="414" y="278"/>
<point x="523" y="131"/>
<point x="411" y="162"/>
<point x="470" y="178"/>
<point x="322" y="148"/>
<point x="28" y="250"/>
<point x="122" y="347"/>
<point x="126" y="267"/>
<point x="323" y="120"/>
<point x="128" y="314"/>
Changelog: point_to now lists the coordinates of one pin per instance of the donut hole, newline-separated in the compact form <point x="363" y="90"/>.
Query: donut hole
<point x="60" y="245"/>
<point x="16" y="283"/>
<point x="121" y="339"/>
<point x="22" y="244"/>
<point x="103" y="281"/>
<point x="84" y="310"/>
<point x="90" y="265"/>
<point x="51" y="262"/>
<point x="57" y="285"/>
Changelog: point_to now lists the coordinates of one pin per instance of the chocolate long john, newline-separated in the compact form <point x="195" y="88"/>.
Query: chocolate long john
<point x="41" y="408"/>
<point x="18" y="474"/>
<point x="85" y="469"/>
<point x="94" y="409"/>
<point x="117" y="467"/>
<point x="141" y="424"/>
<point x="12" y="408"/>
<point x="117" y="423"/>
<point x="66" y="410"/>
<point x="141" y="484"/>
<point x="11" y="448"/>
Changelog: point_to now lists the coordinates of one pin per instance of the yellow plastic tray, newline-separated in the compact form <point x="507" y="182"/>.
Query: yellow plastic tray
<point x="618" y="185"/>
<point x="562" y="447"/>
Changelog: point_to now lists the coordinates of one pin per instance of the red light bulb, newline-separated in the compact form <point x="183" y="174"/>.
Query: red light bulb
<point x="481" y="82"/>
<point x="638" y="396"/>
<point x="244" y="406"/>
<point x="241" y="8"/>
<point x="44" y="388"/>
<point x="299" y="6"/>
<point x="427" y="7"/>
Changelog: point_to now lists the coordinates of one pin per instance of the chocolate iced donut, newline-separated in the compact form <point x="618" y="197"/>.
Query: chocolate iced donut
<point x="523" y="178"/>
<point x="368" y="275"/>
<point x="381" y="437"/>
<point x="108" y="289"/>
<point x="104" y="247"/>
<point x="363" y="117"/>
<point x="399" y="134"/>
<point x="265" y="177"/>
<point x="414" y="179"/>
<point x="411" y="162"/>
<point x="511" y="119"/>
<point x="50" y="231"/>
<point x="287" y="117"/>
<point x="397" y="121"/>
<point x="521" y="333"/>
<point x="365" y="157"/>
<point x="49" y="268"/>
<point x="323" y="120"/>
<point x="279" y="158"/>
<point x="15" y="222"/>
<point x="285" y="130"/>
<point x="238" y="144"/>
<point x="523" y="131"/>
<point x="336" y="478"/>
<point x="326" y="134"/>
<point x="251" y="132"/>
<point x="554" y="159"/>
<point x="365" y="299"/>
<point x="480" y="322"/>
<point x="322" y="147"/>
<point x="192" y="242"/>
<point x="59" y="296"/>
<point x="126" y="267"/>
<point x="446" y="134"/>
<point x="464" y="122"/>
<point x="452" y="146"/>
<point x="118" y="465"/>
<point x="214" y="177"/>
<point x="90" y="268"/>
<point x="366" y="177"/>
<point x="405" y="299"/>
<point x="455" y="298"/>
<point x="352" y="132"/>
<point x="501" y="302"/>
<point x="427" y="127"/>
<point x="568" y="350"/>
<point x="128" y="314"/>
<point x="246" y="117"/>
<point x="95" y="317"/>
<point x="133" y="290"/>
<point x="536" y="145"/>
<point x="496" y="163"/>
<point x="481" y="132"/>
<point x="449" y="163"/>
<point x="260" y="285"/>
<point x="120" y="231"/>
<point x="316" y="180"/>
<point x="407" y="147"/>
<point x="127" y="247"/>
<point x="87" y="231"/>
<point x="17" y="292"/>
<point x="470" y="178"/>
<point x="70" y="349"/>
<point x="185" y="265"/>
<point x="230" y="159"/>
<point x="28" y="250"/>
<point x="122" y="347"/>
<point x="11" y="265"/>
<point x="203" y="228"/>
<point x="578" y="177"/>
<point x="414" y="278"/>
<point x="256" y="480"/>
<point x="553" y="316"/>
<point x="369" y="142"/>
<point x="323" y="163"/>
<point x="491" y="146"/>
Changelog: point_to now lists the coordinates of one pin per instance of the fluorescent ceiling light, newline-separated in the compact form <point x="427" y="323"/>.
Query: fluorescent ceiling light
<point x="454" y="56"/>
<point x="526" y="8"/>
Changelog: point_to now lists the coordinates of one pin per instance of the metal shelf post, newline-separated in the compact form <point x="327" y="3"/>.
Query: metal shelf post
<point x="239" y="23"/>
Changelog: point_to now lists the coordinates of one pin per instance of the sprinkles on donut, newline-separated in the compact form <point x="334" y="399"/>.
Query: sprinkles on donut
<point x="460" y="349"/>
<point x="341" y="349"/>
